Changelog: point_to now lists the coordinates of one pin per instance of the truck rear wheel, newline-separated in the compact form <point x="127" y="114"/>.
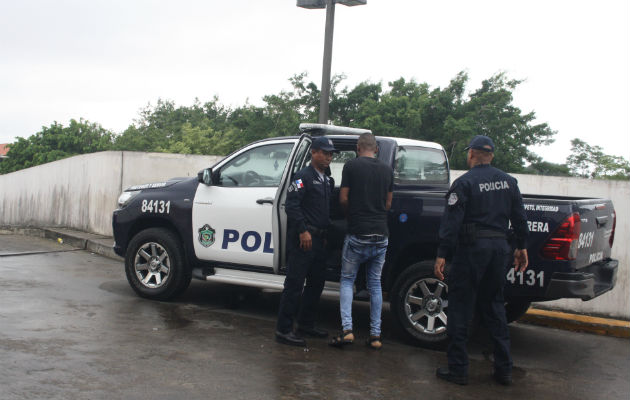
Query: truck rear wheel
<point x="419" y="302"/>
<point x="515" y="310"/>
<point x="155" y="265"/>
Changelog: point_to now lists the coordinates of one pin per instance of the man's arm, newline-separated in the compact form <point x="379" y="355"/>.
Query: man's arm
<point x="449" y="227"/>
<point x="451" y="220"/>
<point x="344" y="190"/>
<point x="388" y="201"/>
<point x="293" y="205"/>
<point x="343" y="198"/>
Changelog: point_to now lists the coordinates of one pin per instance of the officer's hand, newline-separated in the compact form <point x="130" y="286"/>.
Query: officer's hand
<point x="521" y="261"/>
<point x="438" y="269"/>
<point x="306" y="242"/>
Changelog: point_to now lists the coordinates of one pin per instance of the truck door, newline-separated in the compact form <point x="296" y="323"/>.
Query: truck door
<point x="233" y="219"/>
<point x="298" y="160"/>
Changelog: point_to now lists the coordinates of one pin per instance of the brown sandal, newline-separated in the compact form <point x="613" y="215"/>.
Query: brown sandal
<point x="374" y="342"/>
<point x="344" y="338"/>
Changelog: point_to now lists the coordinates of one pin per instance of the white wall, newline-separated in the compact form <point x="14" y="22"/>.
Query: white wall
<point x="81" y="193"/>
<point x="77" y="192"/>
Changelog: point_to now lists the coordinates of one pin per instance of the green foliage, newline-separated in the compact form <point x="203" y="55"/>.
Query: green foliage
<point x="56" y="142"/>
<point x="547" y="168"/>
<point x="588" y="161"/>
<point x="446" y="116"/>
<point x="450" y="116"/>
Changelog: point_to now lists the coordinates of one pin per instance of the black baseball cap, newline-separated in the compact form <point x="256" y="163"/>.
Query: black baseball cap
<point x="323" y="143"/>
<point x="481" y="142"/>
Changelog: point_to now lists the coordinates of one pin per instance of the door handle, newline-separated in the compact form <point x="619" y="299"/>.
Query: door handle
<point x="601" y="221"/>
<point x="263" y="201"/>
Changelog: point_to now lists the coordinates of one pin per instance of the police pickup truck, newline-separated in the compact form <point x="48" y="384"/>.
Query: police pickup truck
<point x="229" y="225"/>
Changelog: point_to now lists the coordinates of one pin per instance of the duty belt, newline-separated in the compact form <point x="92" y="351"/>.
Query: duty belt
<point x="316" y="231"/>
<point x="490" y="234"/>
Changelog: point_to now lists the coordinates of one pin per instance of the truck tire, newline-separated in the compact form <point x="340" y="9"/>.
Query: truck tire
<point x="155" y="264"/>
<point x="515" y="309"/>
<point x="418" y="303"/>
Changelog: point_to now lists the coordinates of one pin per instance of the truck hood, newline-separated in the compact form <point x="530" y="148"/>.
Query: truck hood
<point x="155" y="185"/>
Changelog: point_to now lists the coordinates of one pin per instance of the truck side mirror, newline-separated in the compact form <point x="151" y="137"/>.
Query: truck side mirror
<point x="205" y="176"/>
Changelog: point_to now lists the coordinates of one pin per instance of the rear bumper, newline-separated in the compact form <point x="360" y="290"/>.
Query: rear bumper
<point x="585" y="284"/>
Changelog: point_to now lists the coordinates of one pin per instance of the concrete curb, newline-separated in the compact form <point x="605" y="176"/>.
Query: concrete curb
<point x="103" y="245"/>
<point x="94" y="243"/>
<point x="577" y="322"/>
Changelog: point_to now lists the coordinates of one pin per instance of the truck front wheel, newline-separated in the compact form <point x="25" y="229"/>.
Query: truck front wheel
<point x="515" y="309"/>
<point x="419" y="302"/>
<point x="155" y="265"/>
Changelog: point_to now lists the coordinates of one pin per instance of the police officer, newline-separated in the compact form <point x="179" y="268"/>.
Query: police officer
<point x="307" y="208"/>
<point x="480" y="205"/>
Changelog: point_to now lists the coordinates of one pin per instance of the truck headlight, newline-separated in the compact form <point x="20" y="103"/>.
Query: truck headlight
<point x="126" y="197"/>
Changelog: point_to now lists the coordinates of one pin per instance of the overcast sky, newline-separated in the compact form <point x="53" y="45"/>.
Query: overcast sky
<point x="105" y="60"/>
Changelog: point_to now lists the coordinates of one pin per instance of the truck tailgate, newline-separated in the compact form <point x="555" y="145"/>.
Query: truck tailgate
<point x="569" y="249"/>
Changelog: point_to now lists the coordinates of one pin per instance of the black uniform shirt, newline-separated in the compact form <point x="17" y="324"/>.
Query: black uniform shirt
<point x="487" y="197"/>
<point x="308" y="199"/>
<point x="369" y="181"/>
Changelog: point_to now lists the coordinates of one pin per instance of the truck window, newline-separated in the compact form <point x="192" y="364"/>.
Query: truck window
<point x="338" y="160"/>
<point x="302" y="157"/>
<point x="260" y="167"/>
<point x="419" y="166"/>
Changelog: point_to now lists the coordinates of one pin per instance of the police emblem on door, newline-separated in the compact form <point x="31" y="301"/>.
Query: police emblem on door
<point x="206" y="235"/>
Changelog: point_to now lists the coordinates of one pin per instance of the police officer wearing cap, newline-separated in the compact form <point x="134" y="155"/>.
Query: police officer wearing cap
<point x="307" y="208"/>
<point x="480" y="206"/>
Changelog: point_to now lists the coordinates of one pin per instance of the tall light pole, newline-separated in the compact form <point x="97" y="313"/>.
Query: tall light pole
<point x="329" y="5"/>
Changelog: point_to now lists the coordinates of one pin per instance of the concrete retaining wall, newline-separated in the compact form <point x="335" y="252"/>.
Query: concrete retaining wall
<point x="81" y="193"/>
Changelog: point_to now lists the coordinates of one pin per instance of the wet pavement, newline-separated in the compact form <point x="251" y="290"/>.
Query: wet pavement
<point x="72" y="328"/>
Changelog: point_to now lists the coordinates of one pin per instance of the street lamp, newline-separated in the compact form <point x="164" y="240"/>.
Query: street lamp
<point x="329" y="5"/>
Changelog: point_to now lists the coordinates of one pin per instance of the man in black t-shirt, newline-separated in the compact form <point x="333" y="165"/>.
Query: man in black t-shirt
<point x="365" y="195"/>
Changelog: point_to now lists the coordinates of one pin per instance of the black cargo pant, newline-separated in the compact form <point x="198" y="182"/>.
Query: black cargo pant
<point x="476" y="279"/>
<point x="298" y="299"/>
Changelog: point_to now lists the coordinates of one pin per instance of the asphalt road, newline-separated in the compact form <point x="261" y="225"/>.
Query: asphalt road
<point x="72" y="328"/>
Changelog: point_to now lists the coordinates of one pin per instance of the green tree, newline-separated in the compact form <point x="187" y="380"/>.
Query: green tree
<point x="489" y="111"/>
<point x="56" y="142"/>
<point x="547" y="168"/>
<point x="588" y="161"/>
<point x="159" y="126"/>
<point x="447" y="116"/>
<point x="406" y="108"/>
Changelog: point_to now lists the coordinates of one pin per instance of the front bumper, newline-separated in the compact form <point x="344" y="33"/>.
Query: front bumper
<point x="120" y="233"/>
<point x="585" y="284"/>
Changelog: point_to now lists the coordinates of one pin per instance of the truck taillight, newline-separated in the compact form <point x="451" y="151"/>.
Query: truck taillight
<point x="563" y="244"/>
<point x="612" y="234"/>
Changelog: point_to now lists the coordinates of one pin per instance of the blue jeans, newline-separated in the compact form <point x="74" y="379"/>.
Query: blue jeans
<point x="372" y="254"/>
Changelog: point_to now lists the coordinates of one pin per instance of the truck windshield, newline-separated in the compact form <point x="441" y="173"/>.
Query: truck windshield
<point x="420" y="166"/>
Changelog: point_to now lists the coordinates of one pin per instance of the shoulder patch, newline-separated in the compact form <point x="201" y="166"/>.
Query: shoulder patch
<point x="452" y="199"/>
<point x="296" y="185"/>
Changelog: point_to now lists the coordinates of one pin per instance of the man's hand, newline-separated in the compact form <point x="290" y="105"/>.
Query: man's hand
<point x="520" y="260"/>
<point x="438" y="269"/>
<point x="306" y="242"/>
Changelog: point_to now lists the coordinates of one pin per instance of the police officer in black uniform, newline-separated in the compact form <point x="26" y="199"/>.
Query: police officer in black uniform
<point x="307" y="208"/>
<point x="480" y="205"/>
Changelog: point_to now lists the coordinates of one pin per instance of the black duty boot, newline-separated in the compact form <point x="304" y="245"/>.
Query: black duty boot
<point x="503" y="379"/>
<point x="290" y="338"/>
<point x="444" y="373"/>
